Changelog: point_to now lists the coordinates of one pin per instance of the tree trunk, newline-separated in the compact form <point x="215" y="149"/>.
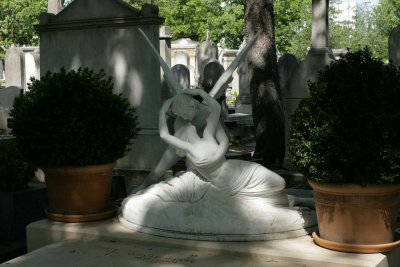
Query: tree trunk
<point x="264" y="83"/>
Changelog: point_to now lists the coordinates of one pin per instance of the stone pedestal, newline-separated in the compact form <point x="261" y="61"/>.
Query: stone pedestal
<point x="109" y="241"/>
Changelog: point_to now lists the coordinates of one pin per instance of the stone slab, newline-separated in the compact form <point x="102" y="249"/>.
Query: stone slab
<point x="111" y="253"/>
<point x="300" y="250"/>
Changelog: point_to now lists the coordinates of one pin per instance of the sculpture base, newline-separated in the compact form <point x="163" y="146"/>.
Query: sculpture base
<point x="92" y="250"/>
<point x="215" y="237"/>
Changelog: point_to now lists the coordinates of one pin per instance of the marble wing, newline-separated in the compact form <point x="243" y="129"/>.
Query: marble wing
<point x="169" y="76"/>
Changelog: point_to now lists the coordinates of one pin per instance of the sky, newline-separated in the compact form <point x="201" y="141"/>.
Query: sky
<point x="373" y="2"/>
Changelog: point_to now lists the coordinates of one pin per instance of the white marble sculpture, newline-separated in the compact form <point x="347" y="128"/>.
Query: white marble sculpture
<point x="216" y="199"/>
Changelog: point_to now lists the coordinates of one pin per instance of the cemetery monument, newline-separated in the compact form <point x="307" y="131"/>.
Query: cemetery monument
<point x="216" y="199"/>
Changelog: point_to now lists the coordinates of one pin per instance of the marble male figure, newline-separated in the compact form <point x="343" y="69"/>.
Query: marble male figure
<point x="216" y="199"/>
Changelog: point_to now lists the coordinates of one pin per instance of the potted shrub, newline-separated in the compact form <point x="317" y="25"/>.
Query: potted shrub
<point x="21" y="202"/>
<point x="71" y="125"/>
<point x="345" y="138"/>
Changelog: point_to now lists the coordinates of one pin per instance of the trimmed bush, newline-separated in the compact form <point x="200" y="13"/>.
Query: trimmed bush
<point x="348" y="129"/>
<point x="15" y="172"/>
<point x="72" y="118"/>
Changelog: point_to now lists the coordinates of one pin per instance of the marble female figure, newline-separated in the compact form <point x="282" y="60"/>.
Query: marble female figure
<point x="236" y="178"/>
<point x="216" y="199"/>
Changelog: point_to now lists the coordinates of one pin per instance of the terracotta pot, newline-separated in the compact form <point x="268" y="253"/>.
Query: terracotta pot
<point x="352" y="214"/>
<point x="79" y="193"/>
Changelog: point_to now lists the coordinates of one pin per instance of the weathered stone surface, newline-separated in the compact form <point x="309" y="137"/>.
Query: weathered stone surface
<point x="14" y="67"/>
<point x="301" y="250"/>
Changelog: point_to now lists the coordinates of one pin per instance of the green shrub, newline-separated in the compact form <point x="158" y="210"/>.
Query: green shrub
<point x="73" y="119"/>
<point x="15" y="173"/>
<point x="348" y="129"/>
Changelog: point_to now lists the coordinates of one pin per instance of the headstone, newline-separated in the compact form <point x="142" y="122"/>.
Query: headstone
<point x="181" y="58"/>
<point x="205" y="51"/>
<point x="287" y="63"/>
<point x="54" y="6"/>
<point x="210" y="75"/>
<point x="394" y="46"/>
<point x="103" y="34"/>
<point x="7" y="96"/>
<point x="243" y="100"/>
<point x="228" y="55"/>
<point x="182" y="74"/>
<point x="15" y="67"/>
<point x="32" y="67"/>
<point x="1" y="70"/>
<point x="189" y="47"/>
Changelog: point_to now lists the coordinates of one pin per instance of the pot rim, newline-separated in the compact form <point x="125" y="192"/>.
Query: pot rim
<point x="351" y="188"/>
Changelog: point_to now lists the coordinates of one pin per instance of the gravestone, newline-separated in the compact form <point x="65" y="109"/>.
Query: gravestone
<point x="210" y="75"/>
<point x="32" y="67"/>
<point x="394" y="46"/>
<point x="15" y="67"/>
<point x="181" y="58"/>
<point x="204" y="52"/>
<point x="7" y="96"/>
<point x="228" y="55"/>
<point x="54" y="6"/>
<point x="189" y="47"/>
<point x="1" y="70"/>
<point x="103" y="34"/>
<point x="182" y="74"/>
<point x="287" y="63"/>
<point x="319" y="56"/>
<point x="243" y="100"/>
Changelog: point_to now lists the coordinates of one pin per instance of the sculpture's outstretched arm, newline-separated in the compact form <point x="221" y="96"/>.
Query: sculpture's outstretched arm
<point x="169" y="76"/>
<point x="216" y="90"/>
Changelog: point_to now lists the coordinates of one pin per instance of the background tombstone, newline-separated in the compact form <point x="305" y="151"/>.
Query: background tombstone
<point x="7" y="96"/>
<point x="394" y="46"/>
<point x="210" y="75"/>
<point x="189" y="47"/>
<point x="54" y="6"/>
<point x="15" y="67"/>
<point x="1" y="70"/>
<point x="205" y="51"/>
<point x="243" y="100"/>
<point x="182" y="74"/>
<point x="32" y="67"/>
<point x="103" y="34"/>
<point x="181" y="58"/>
<point x="227" y="56"/>
<point x="287" y="63"/>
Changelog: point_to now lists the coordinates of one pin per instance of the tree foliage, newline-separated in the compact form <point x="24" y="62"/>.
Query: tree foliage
<point x="17" y="18"/>
<point x="293" y="26"/>
<point x="221" y="21"/>
<point x="371" y="27"/>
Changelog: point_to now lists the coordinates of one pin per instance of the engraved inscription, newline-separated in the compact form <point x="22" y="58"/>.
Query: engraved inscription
<point x="165" y="259"/>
